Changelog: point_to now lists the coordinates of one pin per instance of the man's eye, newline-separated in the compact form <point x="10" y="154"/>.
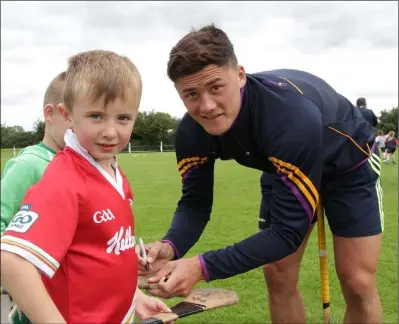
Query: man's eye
<point x="191" y="95"/>
<point x="216" y="88"/>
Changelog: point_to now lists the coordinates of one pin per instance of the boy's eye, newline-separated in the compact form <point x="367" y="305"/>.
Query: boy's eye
<point x="124" y="118"/>
<point x="95" y="116"/>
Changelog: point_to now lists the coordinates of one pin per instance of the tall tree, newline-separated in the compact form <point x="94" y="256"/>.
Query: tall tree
<point x="39" y="127"/>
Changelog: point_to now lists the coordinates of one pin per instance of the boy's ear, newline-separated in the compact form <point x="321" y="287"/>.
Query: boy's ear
<point x="65" y="113"/>
<point x="48" y="112"/>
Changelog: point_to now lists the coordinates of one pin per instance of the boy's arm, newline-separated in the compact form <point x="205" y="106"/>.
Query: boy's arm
<point x="18" y="276"/>
<point x="18" y="176"/>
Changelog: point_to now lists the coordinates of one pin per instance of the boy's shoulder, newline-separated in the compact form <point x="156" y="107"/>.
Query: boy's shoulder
<point x="32" y="159"/>
<point x="32" y="155"/>
<point x="66" y="166"/>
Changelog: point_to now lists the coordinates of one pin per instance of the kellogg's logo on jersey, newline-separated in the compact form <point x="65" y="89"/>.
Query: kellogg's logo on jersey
<point x="121" y="241"/>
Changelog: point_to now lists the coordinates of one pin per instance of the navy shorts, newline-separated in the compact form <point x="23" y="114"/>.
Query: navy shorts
<point x="352" y="202"/>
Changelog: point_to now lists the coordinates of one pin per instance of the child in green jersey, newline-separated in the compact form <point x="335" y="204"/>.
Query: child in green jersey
<point x="24" y="170"/>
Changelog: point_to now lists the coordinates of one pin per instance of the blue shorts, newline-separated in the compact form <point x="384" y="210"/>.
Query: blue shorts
<point x="352" y="202"/>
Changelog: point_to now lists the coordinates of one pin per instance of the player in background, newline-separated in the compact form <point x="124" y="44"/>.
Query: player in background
<point x="367" y="113"/>
<point x="71" y="244"/>
<point x="24" y="170"/>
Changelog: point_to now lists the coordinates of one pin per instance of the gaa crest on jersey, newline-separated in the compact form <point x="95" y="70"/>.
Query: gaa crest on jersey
<point x="23" y="220"/>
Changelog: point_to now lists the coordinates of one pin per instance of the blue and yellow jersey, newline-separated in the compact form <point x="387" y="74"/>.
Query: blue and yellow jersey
<point x="291" y="124"/>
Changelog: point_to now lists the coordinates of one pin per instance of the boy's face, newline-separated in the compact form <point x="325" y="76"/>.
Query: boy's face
<point x="103" y="131"/>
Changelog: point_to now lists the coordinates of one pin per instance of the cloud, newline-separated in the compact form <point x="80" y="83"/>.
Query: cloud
<point x="352" y="45"/>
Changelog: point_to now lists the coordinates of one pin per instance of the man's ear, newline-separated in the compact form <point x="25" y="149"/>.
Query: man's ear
<point x="242" y="77"/>
<point x="65" y="113"/>
<point x="48" y="112"/>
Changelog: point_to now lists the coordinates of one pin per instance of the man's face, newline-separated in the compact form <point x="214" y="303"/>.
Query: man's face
<point x="212" y="96"/>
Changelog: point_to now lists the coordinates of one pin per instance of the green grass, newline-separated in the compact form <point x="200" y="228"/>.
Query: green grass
<point x="156" y="185"/>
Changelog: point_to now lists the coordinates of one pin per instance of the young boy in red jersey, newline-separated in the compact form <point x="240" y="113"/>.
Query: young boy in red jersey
<point x="68" y="255"/>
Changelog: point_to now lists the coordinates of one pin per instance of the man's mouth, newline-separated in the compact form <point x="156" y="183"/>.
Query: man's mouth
<point x="212" y="117"/>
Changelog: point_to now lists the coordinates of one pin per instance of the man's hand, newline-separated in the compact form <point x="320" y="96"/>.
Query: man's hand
<point x="158" y="254"/>
<point x="182" y="276"/>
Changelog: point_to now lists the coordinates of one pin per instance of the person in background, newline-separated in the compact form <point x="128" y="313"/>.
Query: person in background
<point x="367" y="113"/>
<point x="391" y="143"/>
<point x="380" y="142"/>
<point x="24" y="170"/>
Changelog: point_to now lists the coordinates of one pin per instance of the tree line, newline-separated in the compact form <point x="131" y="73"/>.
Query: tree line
<point x="150" y="129"/>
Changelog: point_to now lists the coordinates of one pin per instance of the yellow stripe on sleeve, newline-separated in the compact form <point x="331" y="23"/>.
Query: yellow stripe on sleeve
<point x="300" y="179"/>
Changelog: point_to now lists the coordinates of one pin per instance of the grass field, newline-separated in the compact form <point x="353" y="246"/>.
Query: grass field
<point x="156" y="185"/>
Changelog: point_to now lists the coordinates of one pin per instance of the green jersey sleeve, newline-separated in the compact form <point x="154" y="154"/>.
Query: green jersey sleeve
<point x="18" y="176"/>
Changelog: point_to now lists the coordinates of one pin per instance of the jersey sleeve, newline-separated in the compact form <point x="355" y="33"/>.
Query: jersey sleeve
<point x="43" y="228"/>
<point x="294" y="148"/>
<point x="193" y="210"/>
<point x="18" y="177"/>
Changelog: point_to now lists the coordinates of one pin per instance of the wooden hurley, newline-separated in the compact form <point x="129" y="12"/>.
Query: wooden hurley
<point x="200" y="300"/>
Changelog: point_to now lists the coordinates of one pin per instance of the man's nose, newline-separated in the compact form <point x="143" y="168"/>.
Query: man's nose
<point x="207" y="105"/>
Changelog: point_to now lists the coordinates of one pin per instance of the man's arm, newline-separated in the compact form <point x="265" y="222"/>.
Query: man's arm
<point x="18" y="177"/>
<point x="194" y="208"/>
<point x="295" y="152"/>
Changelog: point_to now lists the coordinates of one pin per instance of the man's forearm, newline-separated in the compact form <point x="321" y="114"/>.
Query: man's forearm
<point x="187" y="227"/>
<point x="264" y="247"/>
<point x="23" y="282"/>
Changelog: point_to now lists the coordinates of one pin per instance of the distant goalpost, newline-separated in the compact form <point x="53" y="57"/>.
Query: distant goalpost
<point x="149" y="148"/>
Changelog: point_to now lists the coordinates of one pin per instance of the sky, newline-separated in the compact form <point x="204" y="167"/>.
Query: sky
<point x="351" y="45"/>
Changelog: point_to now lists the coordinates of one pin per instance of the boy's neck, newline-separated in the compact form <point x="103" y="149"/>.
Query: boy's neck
<point x="48" y="141"/>
<point x="109" y="168"/>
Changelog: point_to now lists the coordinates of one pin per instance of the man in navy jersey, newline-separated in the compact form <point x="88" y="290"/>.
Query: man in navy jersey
<point x="312" y="145"/>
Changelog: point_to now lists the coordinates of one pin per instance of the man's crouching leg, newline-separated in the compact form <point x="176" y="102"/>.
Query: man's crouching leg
<point x="285" y="300"/>
<point x="356" y="261"/>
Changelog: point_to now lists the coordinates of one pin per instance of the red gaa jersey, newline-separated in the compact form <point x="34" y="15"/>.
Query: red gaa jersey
<point x="76" y="226"/>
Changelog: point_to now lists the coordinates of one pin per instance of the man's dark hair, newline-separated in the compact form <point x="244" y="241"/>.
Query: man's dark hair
<point x="198" y="49"/>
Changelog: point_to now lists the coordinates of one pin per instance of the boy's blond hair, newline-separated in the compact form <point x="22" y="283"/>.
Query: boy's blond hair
<point x="99" y="73"/>
<point x="55" y="90"/>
